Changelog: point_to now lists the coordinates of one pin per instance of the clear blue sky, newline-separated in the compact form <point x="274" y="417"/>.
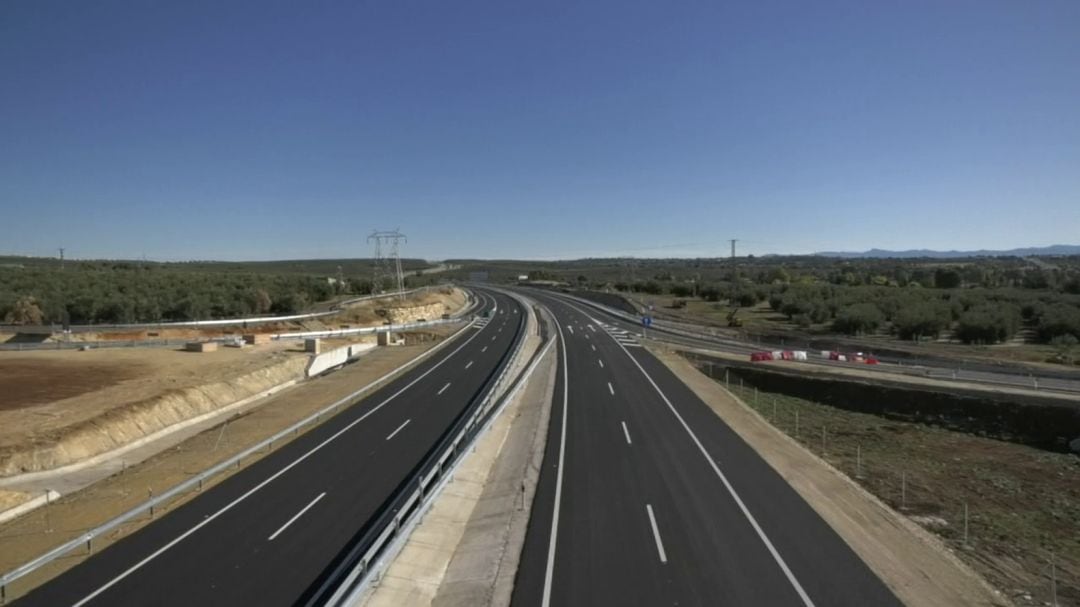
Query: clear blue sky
<point x="260" y="130"/>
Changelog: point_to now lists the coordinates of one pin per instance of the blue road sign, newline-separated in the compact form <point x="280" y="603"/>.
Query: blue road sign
<point x="646" y="321"/>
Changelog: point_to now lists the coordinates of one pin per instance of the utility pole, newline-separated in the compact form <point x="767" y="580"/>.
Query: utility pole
<point x="387" y="259"/>
<point x="734" y="269"/>
<point x="61" y="258"/>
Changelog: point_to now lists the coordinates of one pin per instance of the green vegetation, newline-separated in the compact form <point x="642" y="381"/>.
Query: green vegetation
<point x="36" y="291"/>
<point x="979" y="300"/>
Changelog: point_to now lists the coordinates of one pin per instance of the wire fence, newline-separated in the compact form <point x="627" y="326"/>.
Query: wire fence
<point x="1010" y="511"/>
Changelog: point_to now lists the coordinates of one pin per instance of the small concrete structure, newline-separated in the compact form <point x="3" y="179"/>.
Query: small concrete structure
<point x="312" y="345"/>
<point x="256" y="339"/>
<point x="201" y="346"/>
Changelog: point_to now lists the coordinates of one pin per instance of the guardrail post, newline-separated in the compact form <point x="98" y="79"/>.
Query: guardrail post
<point x="150" y="498"/>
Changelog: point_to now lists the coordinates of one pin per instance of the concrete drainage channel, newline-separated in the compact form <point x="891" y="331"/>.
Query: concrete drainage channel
<point x="375" y="551"/>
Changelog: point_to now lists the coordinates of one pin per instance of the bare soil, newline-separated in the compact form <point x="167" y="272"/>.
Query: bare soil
<point x="26" y="381"/>
<point x="48" y="391"/>
<point x="74" y="514"/>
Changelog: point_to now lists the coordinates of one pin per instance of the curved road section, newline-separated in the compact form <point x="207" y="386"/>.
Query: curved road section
<point x="647" y="497"/>
<point x="268" y="534"/>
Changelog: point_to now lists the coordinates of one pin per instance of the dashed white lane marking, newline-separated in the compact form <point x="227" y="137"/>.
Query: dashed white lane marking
<point x="627" y="433"/>
<point x="469" y="365"/>
<point x="610" y="389"/>
<point x="601" y="363"/>
<point x="443" y="389"/>
<point x="571" y="329"/>
<point x="592" y="328"/>
<point x="484" y="349"/>
<point x="296" y="516"/>
<point x="400" y="428"/>
<point x="656" y="534"/>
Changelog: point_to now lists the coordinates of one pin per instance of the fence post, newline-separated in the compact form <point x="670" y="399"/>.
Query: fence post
<point x="965" y="523"/>
<point x="858" y="461"/>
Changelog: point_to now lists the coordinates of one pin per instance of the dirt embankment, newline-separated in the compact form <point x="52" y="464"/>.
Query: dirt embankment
<point x="1044" y="422"/>
<point x="62" y="407"/>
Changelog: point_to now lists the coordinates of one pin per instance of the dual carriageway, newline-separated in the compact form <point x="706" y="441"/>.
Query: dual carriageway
<point x="646" y="497"/>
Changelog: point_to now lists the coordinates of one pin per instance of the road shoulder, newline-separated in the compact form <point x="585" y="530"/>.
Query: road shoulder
<point x="917" y="567"/>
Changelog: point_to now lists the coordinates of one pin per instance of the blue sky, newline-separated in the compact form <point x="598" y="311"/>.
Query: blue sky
<point x="197" y="130"/>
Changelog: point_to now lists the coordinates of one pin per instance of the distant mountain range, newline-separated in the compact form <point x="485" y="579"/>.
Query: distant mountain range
<point x="1057" y="249"/>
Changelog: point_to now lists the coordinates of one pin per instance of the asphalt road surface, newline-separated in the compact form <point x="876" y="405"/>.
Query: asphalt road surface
<point x="647" y="498"/>
<point x="999" y="375"/>
<point x="265" y="535"/>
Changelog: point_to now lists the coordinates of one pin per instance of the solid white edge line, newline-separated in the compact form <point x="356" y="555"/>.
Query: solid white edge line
<point x="610" y="389"/>
<point x="723" y="479"/>
<point x="443" y="389"/>
<point x="399" y="429"/>
<point x="550" y="571"/>
<point x="296" y="516"/>
<point x="656" y="534"/>
<point x="627" y="433"/>
<point x="270" y="479"/>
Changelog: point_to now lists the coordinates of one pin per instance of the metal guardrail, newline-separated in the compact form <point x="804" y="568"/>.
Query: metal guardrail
<point x="417" y="490"/>
<point x="196" y="482"/>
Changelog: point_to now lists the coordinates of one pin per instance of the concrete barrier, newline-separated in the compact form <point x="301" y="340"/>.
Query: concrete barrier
<point x="336" y="357"/>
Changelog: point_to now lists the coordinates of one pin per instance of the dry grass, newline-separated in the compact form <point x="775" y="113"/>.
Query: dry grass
<point x="1023" y="503"/>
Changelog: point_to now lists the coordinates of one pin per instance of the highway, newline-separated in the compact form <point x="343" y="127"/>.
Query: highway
<point x="267" y="534"/>
<point x="998" y="375"/>
<point x="647" y="498"/>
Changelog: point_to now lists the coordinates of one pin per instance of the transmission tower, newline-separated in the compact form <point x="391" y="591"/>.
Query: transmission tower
<point x="387" y="259"/>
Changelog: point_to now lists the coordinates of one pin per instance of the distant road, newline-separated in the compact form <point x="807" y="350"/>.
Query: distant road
<point x="442" y="267"/>
<point x="998" y="375"/>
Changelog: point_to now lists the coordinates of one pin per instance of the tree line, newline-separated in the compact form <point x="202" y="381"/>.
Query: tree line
<point x="100" y="293"/>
